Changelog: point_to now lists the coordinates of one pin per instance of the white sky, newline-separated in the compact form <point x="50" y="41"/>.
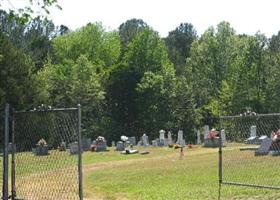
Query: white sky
<point x="245" y="16"/>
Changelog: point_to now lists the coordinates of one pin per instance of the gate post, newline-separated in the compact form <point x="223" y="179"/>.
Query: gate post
<point x="5" y="191"/>
<point x="220" y="160"/>
<point x="80" y="153"/>
<point x="13" y="172"/>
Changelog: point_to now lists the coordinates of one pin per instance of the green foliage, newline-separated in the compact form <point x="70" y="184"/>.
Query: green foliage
<point x="100" y="47"/>
<point x="16" y="79"/>
<point x="71" y="83"/>
<point x="129" y="29"/>
<point x="179" y="43"/>
<point x="131" y="81"/>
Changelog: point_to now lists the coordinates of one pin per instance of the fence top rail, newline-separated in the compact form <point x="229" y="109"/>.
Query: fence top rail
<point x="249" y="116"/>
<point x="48" y="110"/>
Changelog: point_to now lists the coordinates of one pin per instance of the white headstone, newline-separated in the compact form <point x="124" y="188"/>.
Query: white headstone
<point x="180" y="139"/>
<point x="253" y="132"/>
<point x="206" y="131"/>
<point x="180" y="135"/>
<point x="169" y="137"/>
<point x="272" y="135"/>
<point x="161" y="135"/>
<point x="198" y="141"/>
<point x="145" y="140"/>
<point x="223" y="136"/>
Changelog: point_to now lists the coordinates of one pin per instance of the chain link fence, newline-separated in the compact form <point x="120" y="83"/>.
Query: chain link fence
<point x="2" y="132"/>
<point x="250" y="154"/>
<point x="47" y="160"/>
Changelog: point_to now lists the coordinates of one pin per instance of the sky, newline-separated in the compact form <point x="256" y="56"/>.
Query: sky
<point x="245" y="16"/>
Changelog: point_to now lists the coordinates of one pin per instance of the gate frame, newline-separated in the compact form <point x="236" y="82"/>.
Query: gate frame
<point x="11" y="115"/>
<point x="5" y="186"/>
<point x="220" y="164"/>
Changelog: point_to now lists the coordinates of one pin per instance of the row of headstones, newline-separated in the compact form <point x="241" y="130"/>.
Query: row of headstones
<point x="144" y="141"/>
<point x="121" y="145"/>
<point x="254" y="139"/>
<point x="266" y="143"/>
<point x="87" y="145"/>
<point x="206" y="131"/>
<point x="162" y="141"/>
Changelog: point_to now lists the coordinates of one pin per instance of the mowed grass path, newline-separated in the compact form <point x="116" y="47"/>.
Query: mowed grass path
<point x="162" y="175"/>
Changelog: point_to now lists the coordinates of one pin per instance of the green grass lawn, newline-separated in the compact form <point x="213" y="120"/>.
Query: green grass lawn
<point x="160" y="175"/>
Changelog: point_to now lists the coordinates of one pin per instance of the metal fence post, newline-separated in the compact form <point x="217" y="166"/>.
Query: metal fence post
<point x="220" y="161"/>
<point x="6" y="154"/>
<point x="13" y="172"/>
<point x="80" y="154"/>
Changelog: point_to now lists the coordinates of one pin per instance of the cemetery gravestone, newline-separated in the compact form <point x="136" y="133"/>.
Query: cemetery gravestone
<point x="262" y="137"/>
<point x="161" y="138"/>
<point x="264" y="148"/>
<point x="132" y="140"/>
<point x="253" y="139"/>
<point x="154" y="143"/>
<point x="62" y="146"/>
<point x="120" y="146"/>
<point x="74" y="148"/>
<point x="169" y="138"/>
<point x="253" y="131"/>
<point x="206" y="131"/>
<point x="86" y="143"/>
<point x="198" y="141"/>
<point x="212" y="139"/>
<point x="101" y="144"/>
<point x="145" y="140"/>
<point x="180" y="139"/>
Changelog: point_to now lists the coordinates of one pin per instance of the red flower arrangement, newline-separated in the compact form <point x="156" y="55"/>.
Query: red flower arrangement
<point x="276" y="135"/>
<point x="212" y="134"/>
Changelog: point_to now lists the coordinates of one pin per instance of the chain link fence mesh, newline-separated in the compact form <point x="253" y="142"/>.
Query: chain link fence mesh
<point x="46" y="161"/>
<point x="250" y="155"/>
<point x="2" y="129"/>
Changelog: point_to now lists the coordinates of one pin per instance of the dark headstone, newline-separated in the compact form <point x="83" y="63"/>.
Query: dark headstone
<point x="86" y="143"/>
<point x="120" y="146"/>
<point x="101" y="146"/>
<point x="132" y="140"/>
<point x="211" y="142"/>
<point x="41" y="150"/>
<point x="74" y="148"/>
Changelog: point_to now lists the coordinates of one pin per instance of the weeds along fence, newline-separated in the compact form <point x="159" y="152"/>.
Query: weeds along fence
<point x="250" y="155"/>
<point x="45" y="154"/>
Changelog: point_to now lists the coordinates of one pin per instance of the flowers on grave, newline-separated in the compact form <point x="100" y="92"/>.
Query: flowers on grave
<point x="213" y="134"/>
<point x="100" y="140"/>
<point x="42" y="148"/>
<point x="176" y="146"/>
<point x="42" y="142"/>
<point x="276" y="136"/>
<point x="124" y="138"/>
<point x="100" y="144"/>
<point x="62" y="146"/>
<point x="248" y="113"/>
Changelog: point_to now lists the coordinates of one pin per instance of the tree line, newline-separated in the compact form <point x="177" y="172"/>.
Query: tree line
<point x="131" y="81"/>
